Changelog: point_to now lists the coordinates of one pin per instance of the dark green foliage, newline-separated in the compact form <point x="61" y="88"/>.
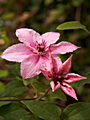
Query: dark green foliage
<point x="78" y="111"/>
<point x="15" y="111"/>
<point x="13" y="88"/>
<point x="43" y="109"/>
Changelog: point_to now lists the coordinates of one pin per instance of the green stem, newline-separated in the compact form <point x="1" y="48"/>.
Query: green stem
<point x="45" y="93"/>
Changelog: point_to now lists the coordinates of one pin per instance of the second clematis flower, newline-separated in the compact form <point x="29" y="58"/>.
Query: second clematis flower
<point x="34" y="50"/>
<point x="59" y="76"/>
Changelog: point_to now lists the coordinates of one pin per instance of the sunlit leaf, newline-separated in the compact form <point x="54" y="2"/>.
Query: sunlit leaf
<point x="3" y="73"/>
<point x="8" y="16"/>
<point x="71" y="25"/>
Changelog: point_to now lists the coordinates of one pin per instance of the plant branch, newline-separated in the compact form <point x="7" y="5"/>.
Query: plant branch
<point x="45" y="93"/>
<point x="18" y="99"/>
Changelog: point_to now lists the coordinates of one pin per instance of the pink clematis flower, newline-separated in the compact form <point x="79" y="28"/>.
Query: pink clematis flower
<point x="33" y="52"/>
<point x="57" y="73"/>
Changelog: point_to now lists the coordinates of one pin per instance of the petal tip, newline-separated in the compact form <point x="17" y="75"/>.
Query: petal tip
<point x="53" y="90"/>
<point x="16" y="33"/>
<point x="84" y="77"/>
<point x="71" y="56"/>
<point x="78" y="47"/>
<point x="2" y="56"/>
<point x="76" y="98"/>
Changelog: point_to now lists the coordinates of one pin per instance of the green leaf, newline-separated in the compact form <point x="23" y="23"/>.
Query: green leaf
<point x="77" y="111"/>
<point x="39" y="86"/>
<point x="57" y="94"/>
<point x="13" y="88"/>
<point x="71" y="25"/>
<point x="3" y="73"/>
<point x="19" y="114"/>
<point x="26" y="81"/>
<point x="2" y="87"/>
<point x="15" y="111"/>
<point x="77" y="2"/>
<point x="44" y="109"/>
<point x="5" y="37"/>
<point x="14" y="69"/>
<point x="8" y="16"/>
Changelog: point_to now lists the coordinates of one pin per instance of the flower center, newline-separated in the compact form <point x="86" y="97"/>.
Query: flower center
<point x="40" y="50"/>
<point x="58" y="78"/>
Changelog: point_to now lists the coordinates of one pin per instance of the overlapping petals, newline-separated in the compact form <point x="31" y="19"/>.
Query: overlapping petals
<point x="36" y="54"/>
<point x="35" y="49"/>
<point x="59" y="79"/>
<point x="53" y="86"/>
<point x="31" y="66"/>
<point x="65" y="67"/>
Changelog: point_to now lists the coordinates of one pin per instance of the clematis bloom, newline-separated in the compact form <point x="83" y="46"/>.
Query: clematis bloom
<point x="59" y="76"/>
<point x="33" y="51"/>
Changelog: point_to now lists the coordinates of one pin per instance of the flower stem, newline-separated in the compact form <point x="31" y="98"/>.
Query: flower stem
<point x="45" y="93"/>
<point x="18" y="99"/>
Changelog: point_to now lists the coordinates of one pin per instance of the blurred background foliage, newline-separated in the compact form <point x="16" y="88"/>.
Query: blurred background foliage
<point x="43" y="16"/>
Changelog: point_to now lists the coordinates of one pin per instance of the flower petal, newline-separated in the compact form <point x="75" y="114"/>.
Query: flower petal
<point x="46" y="62"/>
<point x="30" y="67"/>
<point x="51" y="63"/>
<point x="68" y="90"/>
<point x="53" y="86"/>
<point x="72" y="77"/>
<point x="47" y="74"/>
<point x="66" y="66"/>
<point x="46" y="70"/>
<point x="56" y="62"/>
<point x="28" y="36"/>
<point x="50" y="37"/>
<point x="16" y="53"/>
<point x="62" y="48"/>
